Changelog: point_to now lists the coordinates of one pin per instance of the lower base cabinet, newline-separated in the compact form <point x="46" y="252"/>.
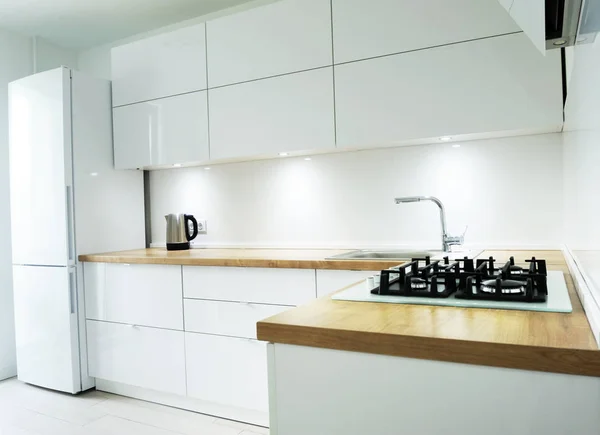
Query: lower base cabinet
<point x="135" y="355"/>
<point x="227" y="370"/>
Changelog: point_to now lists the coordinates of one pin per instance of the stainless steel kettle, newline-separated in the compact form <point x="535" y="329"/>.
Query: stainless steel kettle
<point x="178" y="231"/>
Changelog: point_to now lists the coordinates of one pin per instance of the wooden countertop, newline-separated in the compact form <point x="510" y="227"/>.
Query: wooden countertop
<point x="548" y="342"/>
<point x="283" y="258"/>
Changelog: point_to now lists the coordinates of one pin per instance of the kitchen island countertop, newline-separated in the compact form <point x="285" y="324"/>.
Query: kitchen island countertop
<point x="539" y="341"/>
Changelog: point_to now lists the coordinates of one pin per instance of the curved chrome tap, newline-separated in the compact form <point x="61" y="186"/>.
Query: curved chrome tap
<point x="447" y="240"/>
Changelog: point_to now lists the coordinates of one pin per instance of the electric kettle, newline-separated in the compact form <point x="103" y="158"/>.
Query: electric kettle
<point x="178" y="231"/>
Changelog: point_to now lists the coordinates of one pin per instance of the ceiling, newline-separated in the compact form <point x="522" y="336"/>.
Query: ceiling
<point x="79" y="24"/>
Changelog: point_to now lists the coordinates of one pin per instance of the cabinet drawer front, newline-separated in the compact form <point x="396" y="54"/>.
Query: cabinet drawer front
<point x="161" y="132"/>
<point x="249" y="284"/>
<point x="143" y="357"/>
<point x="297" y="108"/>
<point x="138" y="294"/>
<point x="248" y="45"/>
<point x="227" y="318"/>
<point x="226" y="370"/>
<point x="329" y="281"/>
<point x="160" y="66"/>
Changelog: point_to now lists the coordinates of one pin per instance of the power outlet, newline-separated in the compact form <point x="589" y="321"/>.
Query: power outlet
<point x="202" y="226"/>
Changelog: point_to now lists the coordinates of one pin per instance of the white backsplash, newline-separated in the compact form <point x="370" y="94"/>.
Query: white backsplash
<point x="508" y="191"/>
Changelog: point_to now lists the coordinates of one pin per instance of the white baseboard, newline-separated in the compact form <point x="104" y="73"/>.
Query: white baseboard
<point x="214" y="409"/>
<point x="585" y="292"/>
<point x="8" y="372"/>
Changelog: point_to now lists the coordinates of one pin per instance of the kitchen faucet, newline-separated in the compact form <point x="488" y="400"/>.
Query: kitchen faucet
<point x="447" y="240"/>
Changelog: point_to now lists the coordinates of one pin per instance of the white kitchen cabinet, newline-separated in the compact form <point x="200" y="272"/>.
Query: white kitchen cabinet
<point x="266" y="117"/>
<point x="162" y="132"/>
<point x="484" y="86"/>
<point x="530" y="16"/>
<point x="138" y="294"/>
<point x="160" y="66"/>
<point x="249" y="284"/>
<point x="282" y="37"/>
<point x="233" y="319"/>
<point x="226" y="370"/>
<point x="329" y="281"/>
<point x="369" y="28"/>
<point x="143" y="357"/>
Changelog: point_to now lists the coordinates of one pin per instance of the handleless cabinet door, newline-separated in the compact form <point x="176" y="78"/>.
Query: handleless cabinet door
<point x="226" y="370"/>
<point x="161" y="132"/>
<point x="369" y="28"/>
<point x="138" y="294"/>
<point x="249" y="284"/>
<point x="266" y="117"/>
<point x="143" y="357"/>
<point x="491" y="85"/>
<point x="282" y="37"/>
<point x="160" y="66"/>
<point x="41" y="189"/>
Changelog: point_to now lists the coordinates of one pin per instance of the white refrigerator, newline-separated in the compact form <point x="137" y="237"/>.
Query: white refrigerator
<point x="66" y="200"/>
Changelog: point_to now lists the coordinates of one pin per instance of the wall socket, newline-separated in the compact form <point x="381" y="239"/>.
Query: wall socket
<point x="202" y="229"/>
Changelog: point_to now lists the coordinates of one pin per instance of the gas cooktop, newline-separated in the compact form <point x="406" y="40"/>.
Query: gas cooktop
<point x="466" y="282"/>
<point x="467" y="279"/>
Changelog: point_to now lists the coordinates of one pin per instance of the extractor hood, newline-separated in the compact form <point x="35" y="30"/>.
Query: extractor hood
<point x="548" y="23"/>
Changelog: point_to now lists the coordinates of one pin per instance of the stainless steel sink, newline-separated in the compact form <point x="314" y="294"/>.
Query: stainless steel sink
<point x="400" y="254"/>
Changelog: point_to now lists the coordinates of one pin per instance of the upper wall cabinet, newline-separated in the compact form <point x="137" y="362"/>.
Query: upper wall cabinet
<point x="164" y="65"/>
<point x="279" y="38"/>
<point x="530" y="15"/>
<point x="161" y="132"/>
<point x="484" y="86"/>
<point x="369" y="28"/>
<point x="266" y="117"/>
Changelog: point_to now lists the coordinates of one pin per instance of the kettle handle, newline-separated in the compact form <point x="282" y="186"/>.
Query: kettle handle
<point x="189" y="217"/>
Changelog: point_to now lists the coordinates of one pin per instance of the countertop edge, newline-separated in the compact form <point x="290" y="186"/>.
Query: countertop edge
<point x="581" y="362"/>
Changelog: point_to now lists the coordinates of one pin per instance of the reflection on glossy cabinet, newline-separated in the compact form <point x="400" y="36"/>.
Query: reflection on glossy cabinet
<point x="266" y="117"/>
<point x="226" y="370"/>
<point x="166" y="131"/>
<point x="134" y="355"/>
<point x="394" y="26"/>
<point x="139" y="294"/>
<point x="278" y="38"/>
<point x="490" y="85"/>
<point x="160" y="66"/>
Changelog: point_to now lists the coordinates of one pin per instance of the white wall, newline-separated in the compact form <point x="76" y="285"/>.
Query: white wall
<point x="15" y="62"/>
<point x="509" y="192"/>
<point x="49" y="56"/>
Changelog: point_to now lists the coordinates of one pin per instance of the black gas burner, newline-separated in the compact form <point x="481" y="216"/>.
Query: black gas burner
<point x="466" y="278"/>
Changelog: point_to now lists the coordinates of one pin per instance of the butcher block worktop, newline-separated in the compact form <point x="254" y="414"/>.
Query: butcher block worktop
<point x="548" y="342"/>
<point x="281" y="258"/>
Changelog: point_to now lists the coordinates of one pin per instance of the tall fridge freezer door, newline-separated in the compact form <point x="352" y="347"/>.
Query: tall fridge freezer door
<point x="40" y="169"/>
<point x="46" y="327"/>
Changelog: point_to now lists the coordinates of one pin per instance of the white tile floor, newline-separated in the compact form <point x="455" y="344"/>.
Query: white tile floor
<point x="28" y="410"/>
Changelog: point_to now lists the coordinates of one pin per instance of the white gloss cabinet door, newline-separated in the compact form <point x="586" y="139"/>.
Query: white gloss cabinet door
<point x="143" y="357"/>
<point x="530" y="15"/>
<point x="329" y="281"/>
<point x="226" y="370"/>
<point x="266" y="117"/>
<point x="160" y="66"/>
<point x="492" y="85"/>
<point x="234" y="319"/>
<point x="46" y="327"/>
<point x="278" y="38"/>
<point x="138" y="294"/>
<point x="161" y="132"/>
<point x="249" y="284"/>
<point x="369" y="28"/>
<point x="40" y="169"/>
